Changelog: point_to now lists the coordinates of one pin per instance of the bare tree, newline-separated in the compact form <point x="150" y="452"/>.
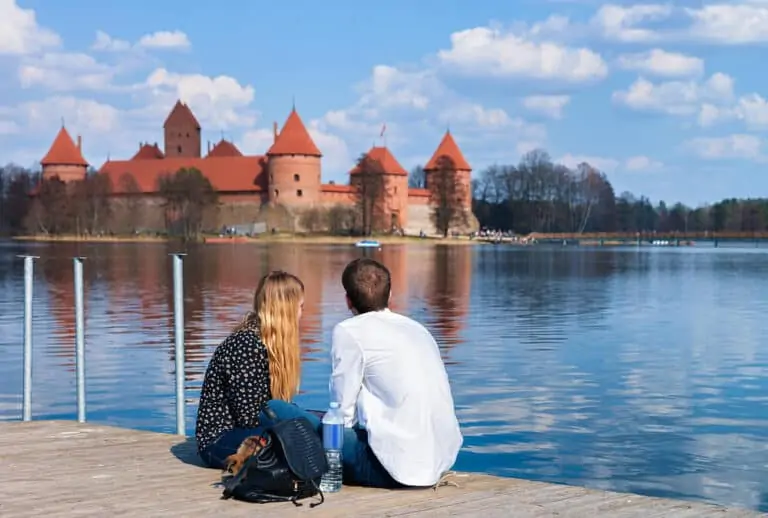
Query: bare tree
<point x="368" y="184"/>
<point x="417" y="178"/>
<point x="447" y="195"/>
<point x="187" y="193"/>
<point x="130" y="192"/>
<point x="312" y="219"/>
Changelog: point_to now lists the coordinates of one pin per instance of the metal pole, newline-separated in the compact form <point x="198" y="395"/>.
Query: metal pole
<point x="26" y="405"/>
<point x="79" y="339"/>
<point x="178" y="316"/>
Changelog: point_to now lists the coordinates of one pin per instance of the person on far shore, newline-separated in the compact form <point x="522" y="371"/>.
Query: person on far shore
<point x="258" y="363"/>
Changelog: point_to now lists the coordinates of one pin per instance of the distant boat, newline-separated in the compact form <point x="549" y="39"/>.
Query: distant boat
<point x="368" y="243"/>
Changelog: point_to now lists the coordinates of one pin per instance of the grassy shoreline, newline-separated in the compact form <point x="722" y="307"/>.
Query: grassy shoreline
<point x="276" y="238"/>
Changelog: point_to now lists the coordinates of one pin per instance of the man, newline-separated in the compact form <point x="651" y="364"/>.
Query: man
<point x="391" y="384"/>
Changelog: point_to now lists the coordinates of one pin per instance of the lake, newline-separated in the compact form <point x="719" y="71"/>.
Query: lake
<point x="640" y="370"/>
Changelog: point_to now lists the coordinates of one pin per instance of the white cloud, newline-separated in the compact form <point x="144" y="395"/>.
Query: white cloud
<point x="661" y="63"/>
<point x="489" y="52"/>
<point x="65" y="72"/>
<point x="105" y="42"/>
<point x="741" y="146"/>
<point x="604" y="164"/>
<point x="676" y="97"/>
<point x="642" y="163"/>
<point x="20" y="33"/>
<point x="611" y="165"/>
<point x="165" y="40"/>
<point x="160" y="40"/>
<point x="751" y="109"/>
<point x="730" y="23"/>
<point x="221" y="101"/>
<point x="621" y="23"/>
<point x="550" y="105"/>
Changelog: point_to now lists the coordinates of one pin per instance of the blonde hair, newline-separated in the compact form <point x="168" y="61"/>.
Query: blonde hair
<point x="275" y="317"/>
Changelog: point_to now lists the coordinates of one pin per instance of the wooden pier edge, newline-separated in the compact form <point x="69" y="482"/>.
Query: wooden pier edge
<point x="66" y="469"/>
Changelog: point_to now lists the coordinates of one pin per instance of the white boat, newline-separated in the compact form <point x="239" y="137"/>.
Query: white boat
<point x="368" y="243"/>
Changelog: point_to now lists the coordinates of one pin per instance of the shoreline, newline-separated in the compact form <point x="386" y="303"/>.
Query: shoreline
<point x="278" y="238"/>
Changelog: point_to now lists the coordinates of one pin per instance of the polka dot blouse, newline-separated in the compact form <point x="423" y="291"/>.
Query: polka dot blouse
<point x="235" y="387"/>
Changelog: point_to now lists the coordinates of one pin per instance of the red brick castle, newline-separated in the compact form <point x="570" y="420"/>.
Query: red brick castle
<point x="273" y="188"/>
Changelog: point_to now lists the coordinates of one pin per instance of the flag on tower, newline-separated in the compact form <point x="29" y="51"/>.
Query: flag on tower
<point x="383" y="129"/>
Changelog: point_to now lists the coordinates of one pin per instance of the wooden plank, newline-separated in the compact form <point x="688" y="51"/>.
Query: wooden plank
<point x="68" y="469"/>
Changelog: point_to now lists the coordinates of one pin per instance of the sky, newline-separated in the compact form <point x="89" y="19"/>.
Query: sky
<point x="668" y="99"/>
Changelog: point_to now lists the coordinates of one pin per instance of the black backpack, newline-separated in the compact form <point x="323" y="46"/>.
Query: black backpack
<point x="288" y="468"/>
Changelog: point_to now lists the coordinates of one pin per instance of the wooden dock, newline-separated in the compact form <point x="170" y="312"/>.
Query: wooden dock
<point x="66" y="469"/>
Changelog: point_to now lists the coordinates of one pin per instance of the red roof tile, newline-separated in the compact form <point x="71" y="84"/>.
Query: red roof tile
<point x="224" y="148"/>
<point x="386" y="160"/>
<point x="63" y="151"/>
<point x="294" y="139"/>
<point x="332" y="187"/>
<point x="450" y="149"/>
<point x="148" y="152"/>
<point x="419" y="193"/>
<point x="226" y="174"/>
<point x="181" y="115"/>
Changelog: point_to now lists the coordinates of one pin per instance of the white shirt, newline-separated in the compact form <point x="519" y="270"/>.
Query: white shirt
<point x="388" y="376"/>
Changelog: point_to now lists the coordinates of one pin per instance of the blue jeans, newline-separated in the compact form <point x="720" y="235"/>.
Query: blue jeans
<point x="360" y="465"/>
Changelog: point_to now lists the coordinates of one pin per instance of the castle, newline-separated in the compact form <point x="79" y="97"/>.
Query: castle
<point x="274" y="188"/>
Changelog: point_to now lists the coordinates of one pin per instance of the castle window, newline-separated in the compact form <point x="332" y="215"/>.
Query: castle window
<point x="277" y="193"/>
<point x="178" y="148"/>
<point x="296" y="178"/>
<point x="187" y="135"/>
<point x="299" y="193"/>
<point x="395" y="189"/>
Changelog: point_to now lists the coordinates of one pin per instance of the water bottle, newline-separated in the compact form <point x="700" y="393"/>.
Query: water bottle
<point x="333" y="440"/>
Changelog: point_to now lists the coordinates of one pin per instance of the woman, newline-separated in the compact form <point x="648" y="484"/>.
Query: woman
<point x="258" y="362"/>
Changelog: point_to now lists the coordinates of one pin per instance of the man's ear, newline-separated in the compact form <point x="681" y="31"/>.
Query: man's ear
<point x="349" y="304"/>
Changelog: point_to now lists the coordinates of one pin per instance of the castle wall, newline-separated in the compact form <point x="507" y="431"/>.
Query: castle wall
<point x="294" y="180"/>
<point x="66" y="173"/>
<point x="338" y="197"/>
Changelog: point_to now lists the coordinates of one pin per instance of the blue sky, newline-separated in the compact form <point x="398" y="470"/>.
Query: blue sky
<point x="667" y="99"/>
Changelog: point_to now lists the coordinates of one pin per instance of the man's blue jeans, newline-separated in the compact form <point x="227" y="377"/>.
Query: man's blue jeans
<point x="361" y="467"/>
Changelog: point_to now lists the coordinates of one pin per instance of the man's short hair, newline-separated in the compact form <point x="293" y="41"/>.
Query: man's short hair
<point x="367" y="283"/>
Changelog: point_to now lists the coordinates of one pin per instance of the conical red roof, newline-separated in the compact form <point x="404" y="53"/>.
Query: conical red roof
<point x="148" y="152"/>
<point x="181" y="115"/>
<point x="450" y="149"/>
<point x="63" y="151"/>
<point x="223" y="149"/>
<point x="294" y="139"/>
<point x="387" y="161"/>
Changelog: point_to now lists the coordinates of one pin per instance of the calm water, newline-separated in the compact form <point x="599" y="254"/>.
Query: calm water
<point x="640" y="371"/>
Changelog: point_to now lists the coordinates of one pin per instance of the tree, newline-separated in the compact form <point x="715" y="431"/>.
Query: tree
<point x="130" y="191"/>
<point x="340" y="219"/>
<point x="368" y="185"/>
<point x="447" y="196"/>
<point x="91" y="207"/>
<point x="311" y="219"/>
<point x="187" y="194"/>
<point x="51" y="209"/>
<point x="417" y="178"/>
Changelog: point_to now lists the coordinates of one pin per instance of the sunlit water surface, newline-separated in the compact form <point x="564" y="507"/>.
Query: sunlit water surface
<point x="640" y="370"/>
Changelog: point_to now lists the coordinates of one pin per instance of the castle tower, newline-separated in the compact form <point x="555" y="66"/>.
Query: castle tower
<point x="64" y="159"/>
<point x="462" y="171"/>
<point x="294" y="165"/>
<point x="182" y="133"/>
<point x="394" y="198"/>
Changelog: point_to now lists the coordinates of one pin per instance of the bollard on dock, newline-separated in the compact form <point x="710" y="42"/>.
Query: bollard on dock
<point x="26" y="405"/>
<point x="79" y="338"/>
<point x="178" y="317"/>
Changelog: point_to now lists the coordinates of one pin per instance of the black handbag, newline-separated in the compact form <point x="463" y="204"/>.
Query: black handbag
<point x="288" y="467"/>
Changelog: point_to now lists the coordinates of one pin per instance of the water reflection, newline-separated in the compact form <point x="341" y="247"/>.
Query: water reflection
<point x="632" y="370"/>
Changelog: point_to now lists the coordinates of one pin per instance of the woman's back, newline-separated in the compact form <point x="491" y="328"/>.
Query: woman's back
<point x="235" y="387"/>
